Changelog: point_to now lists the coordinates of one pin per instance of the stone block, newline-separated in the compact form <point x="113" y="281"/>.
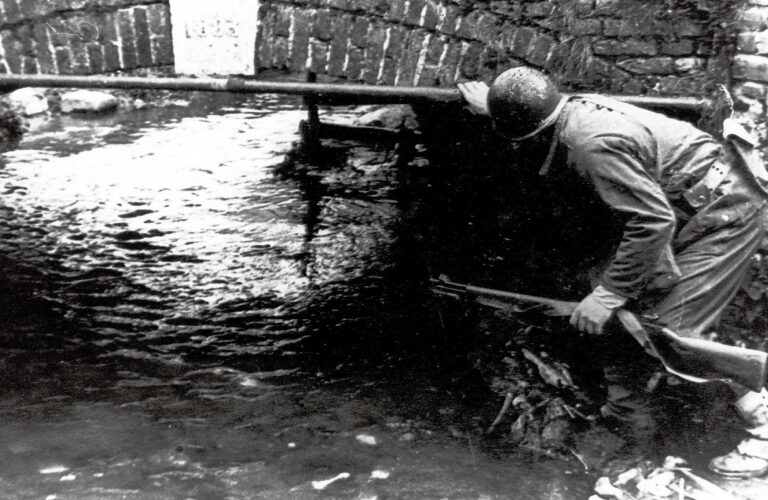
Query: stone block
<point x="108" y="38"/>
<point x="125" y="28"/>
<point x="752" y="19"/>
<point x="540" y="50"/>
<point x="490" y="60"/>
<point x="374" y="53"/>
<point x="11" y="51"/>
<point x="745" y="43"/>
<point x="606" y="7"/>
<point x="162" y="49"/>
<point x="264" y="37"/>
<point x="79" y="56"/>
<point x="750" y="90"/>
<point x="43" y="48"/>
<point x="406" y="71"/>
<point x="413" y="12"/>
<point x="466" y="25"/>
<point x="12" y="11"/>
<point x="449" y="63"/>
<point x="318" y="56"/>
<point x="396" y="11"/>
<point x="299" y="50"/>
<point x="281" y="53"/>
<point x="687" y="28"/>
<point x="282" y="21"/>
<point x="648" y="66"/>
<point x="388" y="73"/>
<point x="539" y="9"/>
<point x="29" y="65"/>
<point x="470" y="62"/>
<point x="434" y="50"/>
<point x="159" y="18"/>
<point x="63" y="60"/>
<point x="521" y="42"/>
<point x="761" y="43"/>
<point x="143" y="46"/>
<point x="629" y="47"/>
<point x="87" y="101"/>
<point x="448" y="18"/>
<point x="690" y="64"/>
<point x="487" y="27"/>
<point x="646" y="26"/>
<point x="582" y="27"/>
<point x="750" y="67"/>
<point x="601" y="74"/>
<point x="337" y="51"/>
<point x="321" y="26"/>
<point x="394" y="47"/>
<point x="431" y="15"/>
<point x="584" y="7"/>
<point x="679" y="48"/>
<point x="427" y="76"/>
<point x="681" y="85"/>
<point x="95" y="58"/>
<point x="354" y="63"/>
<point x="358" y="33"/>
<point x="705" y="49"/>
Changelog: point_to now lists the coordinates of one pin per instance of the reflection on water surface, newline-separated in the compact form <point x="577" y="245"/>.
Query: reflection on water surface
<point x="173" y="293"/>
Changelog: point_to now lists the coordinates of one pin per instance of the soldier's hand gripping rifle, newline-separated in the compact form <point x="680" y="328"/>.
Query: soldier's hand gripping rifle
<point x="692" y="359"/>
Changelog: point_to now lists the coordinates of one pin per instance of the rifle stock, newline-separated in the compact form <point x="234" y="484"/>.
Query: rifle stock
<point x="693" y="359"/>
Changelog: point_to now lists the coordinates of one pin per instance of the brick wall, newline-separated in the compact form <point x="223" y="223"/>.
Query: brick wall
<point x="626" y="46"/>
<point x="750" y="64"/>
<point x="629" y="46"/>
<point x="83" y="36"/>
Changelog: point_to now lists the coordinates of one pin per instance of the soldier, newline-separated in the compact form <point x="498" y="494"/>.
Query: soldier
<point x="691" y="212"/>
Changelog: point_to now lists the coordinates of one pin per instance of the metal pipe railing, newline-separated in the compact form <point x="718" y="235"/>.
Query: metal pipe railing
<point x="321" y="92"/>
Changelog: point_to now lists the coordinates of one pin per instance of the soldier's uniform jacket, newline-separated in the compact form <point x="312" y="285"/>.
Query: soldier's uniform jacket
<point x="645" y="166"/>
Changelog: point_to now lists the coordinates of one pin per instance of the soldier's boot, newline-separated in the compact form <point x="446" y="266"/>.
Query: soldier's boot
<point x="750" y="458"/>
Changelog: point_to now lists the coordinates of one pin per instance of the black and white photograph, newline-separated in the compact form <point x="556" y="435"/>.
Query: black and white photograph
<point x="383" y="249"/>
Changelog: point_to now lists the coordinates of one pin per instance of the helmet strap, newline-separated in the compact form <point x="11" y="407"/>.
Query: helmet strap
<point x="546" y="122"/>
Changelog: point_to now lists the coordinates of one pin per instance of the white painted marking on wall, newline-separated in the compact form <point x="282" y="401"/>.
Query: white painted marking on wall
<point x="216" y="37"/>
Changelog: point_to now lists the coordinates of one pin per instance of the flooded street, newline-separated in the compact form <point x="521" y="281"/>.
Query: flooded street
<point x="191" y="310"/>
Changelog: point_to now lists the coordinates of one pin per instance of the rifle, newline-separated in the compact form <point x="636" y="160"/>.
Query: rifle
<point x="696" y="360"/>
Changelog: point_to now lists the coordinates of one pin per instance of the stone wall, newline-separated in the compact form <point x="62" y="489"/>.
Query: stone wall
<point x="750" y="64"/>
<point x="628" y="46"/>
<point x="83" y="36"/>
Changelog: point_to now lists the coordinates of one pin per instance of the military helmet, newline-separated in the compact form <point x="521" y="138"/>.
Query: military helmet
<point x="521" y="100"/>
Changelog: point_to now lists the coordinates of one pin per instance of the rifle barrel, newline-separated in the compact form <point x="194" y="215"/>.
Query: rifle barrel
<point x="324" y="92"/>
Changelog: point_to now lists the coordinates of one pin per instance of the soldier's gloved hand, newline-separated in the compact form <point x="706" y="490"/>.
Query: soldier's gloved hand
<point x="476" y="95"/>
<point x="595" y="310"/>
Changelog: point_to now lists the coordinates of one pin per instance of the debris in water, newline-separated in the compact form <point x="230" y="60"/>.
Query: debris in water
<point x="366" y="439"/>
<point x="380" y="474"/>
<point x="291" y="445"/>
<point x="551" y="375"/>
<point x="627" y="476"/>
<point x="605" y="489"/>
<point x="502" y="412"/>
<point x="667" y="481"/>
<point x="657" y="484"/>
<point x="56" y="469"/>
<point x="321" y="485"/>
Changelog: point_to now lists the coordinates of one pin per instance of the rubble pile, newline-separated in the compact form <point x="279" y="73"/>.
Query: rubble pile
<point x="646" y="482"/>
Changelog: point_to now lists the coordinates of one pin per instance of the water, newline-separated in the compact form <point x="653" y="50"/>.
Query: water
<point x="190" y="309"/>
